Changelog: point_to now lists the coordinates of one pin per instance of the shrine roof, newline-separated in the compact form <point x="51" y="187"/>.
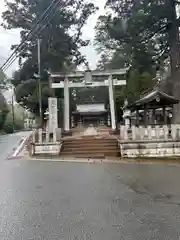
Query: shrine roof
<point x="154" y="99"/>
<point x="90" y="113"/>
<point x="90" y="108"/>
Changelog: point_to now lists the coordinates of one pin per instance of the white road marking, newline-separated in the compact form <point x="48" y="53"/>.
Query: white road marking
<point x="18" y="149"/>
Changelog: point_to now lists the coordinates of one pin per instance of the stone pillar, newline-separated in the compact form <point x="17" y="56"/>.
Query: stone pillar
<point x="164" y="116"/>
<point x="149" y="129"/>
<point x="154" y="116"/>
<point x="150" y="122"/>
<point x="133" y="133"/>
<point x="55" y="135"/>
<point x="108" y="120"/>
<point x="53" y="117"/>
<point x="157" y="130"/>
<point x="145" y="116"/>
<point x="66" y="105"/>
<point x="34" y="136"/>
<point x="40" y="133"/>
<point x="47" y="135"/>
<point x="72" y="121"/>
<point x="111" y="102"/>
<point x="137" y="117"/>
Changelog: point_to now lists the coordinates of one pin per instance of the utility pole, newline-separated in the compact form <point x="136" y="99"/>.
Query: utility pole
<point x="39" y="80"/>
<point x="13" y="115"/>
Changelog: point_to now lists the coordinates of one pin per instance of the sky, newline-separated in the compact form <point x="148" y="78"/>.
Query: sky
<point x="9" y="37"/>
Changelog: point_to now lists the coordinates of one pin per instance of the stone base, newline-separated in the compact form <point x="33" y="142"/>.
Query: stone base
<point x="149" y="149"/>
<point x="46" y="149"/>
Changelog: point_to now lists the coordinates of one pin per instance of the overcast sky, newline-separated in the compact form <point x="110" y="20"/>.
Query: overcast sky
<point x="12" y="37"/>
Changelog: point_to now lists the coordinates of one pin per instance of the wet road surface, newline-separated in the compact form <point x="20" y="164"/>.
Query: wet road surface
<point x="77" y="201"/>
<point x="9" y="142"/>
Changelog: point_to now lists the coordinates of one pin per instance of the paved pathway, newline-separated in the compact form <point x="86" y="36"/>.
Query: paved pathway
<point x="90" y="131"/>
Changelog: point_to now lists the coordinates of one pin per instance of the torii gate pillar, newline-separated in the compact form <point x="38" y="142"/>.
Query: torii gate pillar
<point x="67" y="82"/>
<point x="66" y="105"/>
<point x="112" y="104"/>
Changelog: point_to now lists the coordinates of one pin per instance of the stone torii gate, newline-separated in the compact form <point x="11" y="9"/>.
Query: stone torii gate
<point x="80" y="79"/>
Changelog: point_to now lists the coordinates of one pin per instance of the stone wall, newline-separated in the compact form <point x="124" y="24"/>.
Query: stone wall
<point x="138" y="142"/>
<point x="150" y="149"/>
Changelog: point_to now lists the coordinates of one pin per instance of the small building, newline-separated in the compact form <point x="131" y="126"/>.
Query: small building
<point x="90" y="113"/>
<point x="153" y="108"/>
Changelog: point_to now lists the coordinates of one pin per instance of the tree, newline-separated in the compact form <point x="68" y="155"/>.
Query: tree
<point x="150" y="21"/>
<point x="146" y="21"/>
<point x="60" y="45"/>
<point x="3" y="104"/>
<point x="4" y="81"/>
<point x="140" y="74"/>
<point x="136" y="33"/>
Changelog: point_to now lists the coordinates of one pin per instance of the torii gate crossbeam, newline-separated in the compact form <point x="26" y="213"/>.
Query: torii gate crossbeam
<point x="85" y="80"/>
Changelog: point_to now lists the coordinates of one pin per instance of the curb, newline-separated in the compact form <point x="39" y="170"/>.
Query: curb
<point x="101" y="161"/>
<point x="16" y="151"/>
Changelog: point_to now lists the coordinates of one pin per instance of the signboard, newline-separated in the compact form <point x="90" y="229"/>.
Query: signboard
<point x="53" y="118"/>
<point x="47" y="149"/>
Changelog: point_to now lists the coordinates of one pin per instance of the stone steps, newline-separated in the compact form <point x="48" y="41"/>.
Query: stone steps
<point x="87" y="147"/>
<point x="90" y="147"/>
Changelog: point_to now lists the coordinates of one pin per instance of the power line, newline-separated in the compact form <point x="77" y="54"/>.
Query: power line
<point x="43" y="17"/>
<point x="33" y="28"/>
<point x="34" y="37"/>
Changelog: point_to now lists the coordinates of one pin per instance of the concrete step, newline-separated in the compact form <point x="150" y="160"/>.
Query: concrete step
<point x="93" y="144"/>
<point x="90" y="154"/>
<point x="92" y="148"/>
<point x="90" y="140"/>
<point x="89" y="150"/>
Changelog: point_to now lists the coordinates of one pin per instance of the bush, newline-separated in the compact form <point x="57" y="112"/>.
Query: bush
<point x="3" y="115"/>
<point x="8" y="125"/>
<point x="3" y="110"/>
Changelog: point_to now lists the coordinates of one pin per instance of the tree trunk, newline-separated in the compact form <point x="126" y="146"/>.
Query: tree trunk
<point x="174" y="57"/>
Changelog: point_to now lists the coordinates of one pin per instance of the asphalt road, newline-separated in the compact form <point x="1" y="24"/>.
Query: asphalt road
<point x="10" y="142"/>
<point x="80" y="201"/>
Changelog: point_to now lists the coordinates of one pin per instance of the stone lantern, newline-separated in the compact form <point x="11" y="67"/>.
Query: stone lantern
<point x="126" y="113"/>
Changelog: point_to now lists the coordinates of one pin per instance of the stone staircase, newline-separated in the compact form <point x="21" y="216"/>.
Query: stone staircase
<point x="90" y="147"/>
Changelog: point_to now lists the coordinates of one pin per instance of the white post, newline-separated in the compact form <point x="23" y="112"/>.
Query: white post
<point x="40" y="132"/>
<point x="157" y="132"/>
<point x="54" y="136"/>
<point x="149" y="130"/>
<point x="122" y="129"/>
<point x="125" y="133"/>
<point x="34" y="136"/>
<point x="173" y="131"/>
<point x="53" y="117"/>
<point x="133" y="132"/>
<point x="141" y="132"/>
<point x="111" y="101"/>
<point x="165" y="129"/>
<point x="66" y="105"/>
<point x="47" y="135"/>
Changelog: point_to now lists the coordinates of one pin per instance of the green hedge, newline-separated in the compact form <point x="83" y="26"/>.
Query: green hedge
<point x="3" y="115"/>
<point x="8" y="125"/>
